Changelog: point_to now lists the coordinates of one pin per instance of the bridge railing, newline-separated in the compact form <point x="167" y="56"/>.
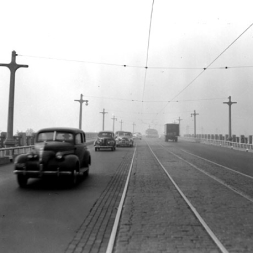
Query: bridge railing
<point x="14" y="151"/>
<point x="223" y="143"/>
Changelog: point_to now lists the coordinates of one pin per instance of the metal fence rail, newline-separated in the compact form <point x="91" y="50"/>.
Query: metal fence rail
<point x="14" y="151"/>
<point x="223" y="143"/>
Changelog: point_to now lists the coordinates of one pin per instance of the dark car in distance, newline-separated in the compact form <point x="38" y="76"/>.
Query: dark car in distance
<point x="58" y="152"/>
<point x="105" y="140"/>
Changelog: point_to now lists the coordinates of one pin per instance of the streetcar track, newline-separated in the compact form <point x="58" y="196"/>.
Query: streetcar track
<point x="119" y="211"/>
<point x="242" y="194"/>
<point x="224" y="167"/>
<point x="93" y="233"/>
<point x="208" y="230"/>
<point x="193" y="209"/>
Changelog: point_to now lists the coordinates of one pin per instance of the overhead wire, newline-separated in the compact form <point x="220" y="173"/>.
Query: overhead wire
<point x="133" y="66"/>
<point x="207" y="67"/>
<point x="147" y="52"/>
<point x="147" y="57"/>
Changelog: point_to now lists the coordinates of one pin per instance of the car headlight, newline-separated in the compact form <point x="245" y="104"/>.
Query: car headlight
<point x="19" y="165"/>
<point x="59" y="155"/>
<point x="32" y="156"/>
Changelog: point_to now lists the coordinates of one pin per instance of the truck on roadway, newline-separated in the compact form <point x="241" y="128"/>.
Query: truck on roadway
<point x="171" y="132"/>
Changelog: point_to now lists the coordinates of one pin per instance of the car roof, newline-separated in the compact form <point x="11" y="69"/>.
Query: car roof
<point x="106" y="132"/>
<point x="67" y="129"/>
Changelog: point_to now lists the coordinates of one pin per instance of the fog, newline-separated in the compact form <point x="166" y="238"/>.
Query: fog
<point x="141" y="62"/>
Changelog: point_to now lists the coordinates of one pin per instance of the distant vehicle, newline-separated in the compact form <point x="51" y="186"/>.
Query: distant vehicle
<point x="152" y="133"/>
<point x="137" y="136"/>
<point x="171" y="132"/>
<point x="124" y="138"/>
<point x="58" y="152"/>
<point x="105" y="140"/>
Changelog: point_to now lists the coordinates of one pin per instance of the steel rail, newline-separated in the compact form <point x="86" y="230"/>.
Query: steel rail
<point x="117" y="218"/>
<point x="195" y="212"/>
<point x="217" y="179"/>
<point x="222" y="166"/>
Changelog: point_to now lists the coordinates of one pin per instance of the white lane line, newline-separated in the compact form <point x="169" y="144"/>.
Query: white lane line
<point x="209" y="231"/>
<point x="224" y="167"/>
<point x="117" y="218"/>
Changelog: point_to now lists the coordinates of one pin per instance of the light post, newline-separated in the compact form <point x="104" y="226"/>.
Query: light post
<point x="103" y="112"/>
<point x="121" y="125"/>
<point x="194" y="114"/>
<point x="81" y="101"/>
<point x="13" y="66"/>
<point x="229" y="103"/>
<point x="113" y="118"/>
<point x="179" y="120"/>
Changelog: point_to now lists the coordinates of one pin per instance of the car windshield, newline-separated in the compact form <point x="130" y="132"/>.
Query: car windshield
<point x="55" y="136"/>
<point x="129" y="134"/>
<point x="105" y="134"/>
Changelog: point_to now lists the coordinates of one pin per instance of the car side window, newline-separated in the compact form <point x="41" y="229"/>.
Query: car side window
<point x="84" y="137"/>
<point x="79" y="139"/>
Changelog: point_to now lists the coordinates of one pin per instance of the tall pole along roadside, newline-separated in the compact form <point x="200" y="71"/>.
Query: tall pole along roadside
<point x="229" y="103"/>
<point x="179" y="120"/>
<point x="12" y="66"/>
<point x="113" y="118"/>
<point x="81" y="101"/>
<point x="194" y="114"/>
<point x="103" y="112"/>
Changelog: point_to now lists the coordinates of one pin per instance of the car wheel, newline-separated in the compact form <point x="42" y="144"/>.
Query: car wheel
<point x="86" y="173"/>
<point x="73" y="177"/>
<point x="22" y="180"/>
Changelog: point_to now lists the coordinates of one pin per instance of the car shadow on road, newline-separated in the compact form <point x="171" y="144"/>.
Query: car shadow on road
<point x="46" y="184"/>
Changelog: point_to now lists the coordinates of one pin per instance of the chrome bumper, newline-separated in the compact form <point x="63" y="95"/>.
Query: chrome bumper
<point x="40" y="172"/>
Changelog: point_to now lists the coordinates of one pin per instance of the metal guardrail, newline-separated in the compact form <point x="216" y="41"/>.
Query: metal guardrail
<point x="229" y="144"/>
<point x="13" y="151"/>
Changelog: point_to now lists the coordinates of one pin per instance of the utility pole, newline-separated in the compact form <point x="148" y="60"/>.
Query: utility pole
<point x="113" y="118"/>
<point x="103" y="112"/>
<point x="80" y="113"/>
<point x="12" y="66"/>
<point x="187" y="129"/>
<point x="133" y="127"/>
<point x="229" y="103"/>
<point x="121" y="125"/>
<point x="179" y="124"/>
<point x="194" y="114"/>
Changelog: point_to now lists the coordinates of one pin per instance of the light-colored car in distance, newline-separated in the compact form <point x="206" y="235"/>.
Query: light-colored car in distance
<point x="137" y="136"/>
<point x="124" y="138"/>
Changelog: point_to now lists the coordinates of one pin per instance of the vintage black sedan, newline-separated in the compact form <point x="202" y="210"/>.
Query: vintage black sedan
<point x="57" y="152"/>
<point x="105" y="140"/>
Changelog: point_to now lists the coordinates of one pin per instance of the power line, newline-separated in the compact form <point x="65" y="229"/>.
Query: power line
<point x="207" y="66"/>
<point x="135" y="66"/>
<point x="155" y="101"/>
<point x="147" y="53"/>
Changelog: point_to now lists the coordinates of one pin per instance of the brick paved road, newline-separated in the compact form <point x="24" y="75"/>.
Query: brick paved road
<point x="93" y="235"/>
<point x="155" y="218"/>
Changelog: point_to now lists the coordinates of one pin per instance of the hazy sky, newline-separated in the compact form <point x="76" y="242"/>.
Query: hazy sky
<point x="81" y="47"/>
